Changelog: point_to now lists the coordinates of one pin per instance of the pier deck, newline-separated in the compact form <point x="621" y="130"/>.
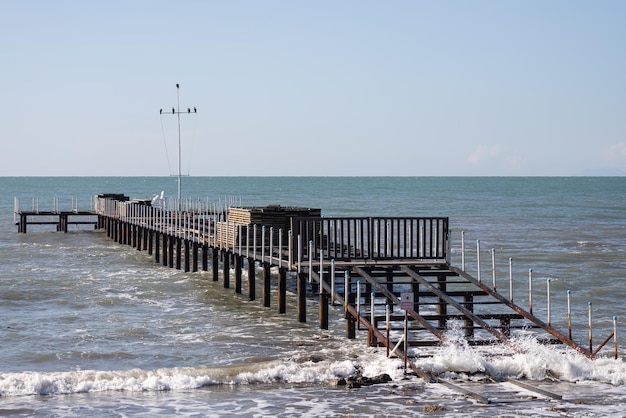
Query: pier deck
<point x="62" y="219"/>
<point x="391" y="276"/>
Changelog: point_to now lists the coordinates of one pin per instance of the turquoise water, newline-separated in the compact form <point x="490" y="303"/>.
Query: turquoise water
<point x="94" y="327"/>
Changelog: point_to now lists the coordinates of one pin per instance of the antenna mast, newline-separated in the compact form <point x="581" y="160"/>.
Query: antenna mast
<point x="176" y="111"/>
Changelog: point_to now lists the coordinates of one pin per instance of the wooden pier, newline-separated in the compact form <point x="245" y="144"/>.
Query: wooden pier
<point x="390" y="277"/>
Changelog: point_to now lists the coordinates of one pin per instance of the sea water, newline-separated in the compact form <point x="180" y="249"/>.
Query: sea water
<point x="91" y="327"/>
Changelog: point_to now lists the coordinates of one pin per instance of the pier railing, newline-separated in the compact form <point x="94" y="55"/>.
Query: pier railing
<point x="310" y="239"/>
<point x="373" y="238"/>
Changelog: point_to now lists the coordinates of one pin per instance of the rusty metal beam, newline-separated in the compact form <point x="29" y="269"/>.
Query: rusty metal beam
<point x="396" y="301"/>
<point x="500" y="336"/>
<point x="564" y="339"/>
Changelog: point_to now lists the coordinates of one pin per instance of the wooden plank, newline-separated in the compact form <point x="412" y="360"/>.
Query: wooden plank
<point x="534" y="389"/>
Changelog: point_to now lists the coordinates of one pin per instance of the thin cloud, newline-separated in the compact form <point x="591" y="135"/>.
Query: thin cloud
<point x="483" y="154"/>
<point x="615" y="153"/>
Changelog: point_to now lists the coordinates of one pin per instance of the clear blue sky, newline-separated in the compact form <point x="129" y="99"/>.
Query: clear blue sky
<point x="410" y="88"/>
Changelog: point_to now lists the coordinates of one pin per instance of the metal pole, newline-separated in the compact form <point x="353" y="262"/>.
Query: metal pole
<point x="548" y="291"/>
<point x="510" y="279"/>
<point x="263" y="243"/>
<point x="289" y="248"/>
<point x="332" y="281"/>
<point x="493" y="267"/>
<point x="372" y="311"/>
<point x="346" y="289"/>
<point x="569" y="315"/>
<point x="321" y="271"/>
<point x="179" y="147"/>
<point x="463" y="250"/>
<point x="530" y="291"/>
<point x="406" y="337"/>
<point x="248" y="241"/>
<point x="254" y="232"/>
<point x="590" y="330"/>
<point x="271" y="244"/>
<point x="358" y="303"/>
<point x="387" y="313"/>
<point x="478" y="257"/>
<point x="310" y="260"/>
<point x="280" y="247"/>
<point x="615" y="337"/>
<point x="239" y="237"/>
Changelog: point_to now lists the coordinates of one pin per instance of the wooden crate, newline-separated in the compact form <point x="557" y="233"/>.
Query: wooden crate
<point x="276" y="216"/>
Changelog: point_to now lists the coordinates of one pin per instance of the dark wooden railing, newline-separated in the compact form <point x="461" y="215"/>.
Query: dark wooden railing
<point x="372" y="238"/>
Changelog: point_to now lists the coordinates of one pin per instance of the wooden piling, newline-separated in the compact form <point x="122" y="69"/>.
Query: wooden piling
<point x="282" y="290"/>
<point x="350" y="319"/>
<point x="165" y="248"/>
<point x="139" y="238"/>
<point x="238" y="273"/>
<point x="266" y="285"/>
<point x="179" y="252"/>
<point x="205" y="257"/>
<point x="194" y="256"/>
<point x="215" y="263"/>
<point x="150" y="237"/>
<point x="147" y="239"/>
<point x="251" y="279"/>
<point x="301" y="290"/>
<point x="323" y="303"/>
<point x="170" y="250"/>
<point x="157" y="256"/>
<point x="226" y="268"/>
<point x="187" y="262"/>
<point x="442" y="306"/>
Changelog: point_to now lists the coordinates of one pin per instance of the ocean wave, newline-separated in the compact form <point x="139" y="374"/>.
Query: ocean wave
<point x="294" y="370"/>
<point x="524" y="358"/>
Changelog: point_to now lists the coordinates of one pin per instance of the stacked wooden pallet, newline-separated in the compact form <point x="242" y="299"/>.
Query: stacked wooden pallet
<point x="226" y="234"/>
<point x="271" y="216"/>
<point x="274" y="216"/>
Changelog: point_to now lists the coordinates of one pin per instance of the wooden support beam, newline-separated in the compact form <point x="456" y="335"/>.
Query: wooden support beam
<point x="147" y="235"/>
<point x="165" y="248"/>
<point x="349" y="301"/>
<point x="139" y="237"/>
<point x="194" y="256"/>
<point x="179" y="252"/>
<point x="323" y="308"/>
<point x="238" y="273"/>
<point x="301" y="290"/>
<point x="251" y="279"/>
<point x="157" y="256"/>
<point x="442" y="306"/>
<point x="170" y="250"/>
<point x="226" y="268"/>
<point x="205" y="257"/>
<point x="186" y="246"/>
<point x="215" y="263"/>
<point x="150" y="237"/>
<point x="282" y="290"/>
<point x="266" y="285"/>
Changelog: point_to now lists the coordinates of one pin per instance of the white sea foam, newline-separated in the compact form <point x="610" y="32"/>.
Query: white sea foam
<point x="525" y="358"/>
<point x="452" y="360"/>
<point x="137" y="380"/>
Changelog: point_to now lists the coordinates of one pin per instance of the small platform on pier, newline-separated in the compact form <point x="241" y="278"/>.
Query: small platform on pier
<point x="25" y="214"/>
<point x="62" y="219"/>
